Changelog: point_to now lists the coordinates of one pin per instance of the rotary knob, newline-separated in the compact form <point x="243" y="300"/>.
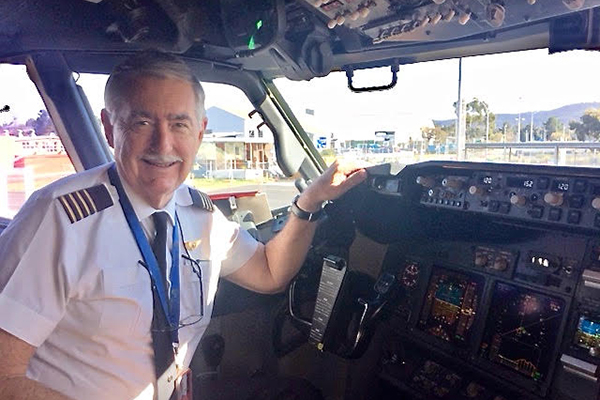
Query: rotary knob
<point x="554" y="199"/>
<point x="452" y="183"/>
<point x="476" y="190"/>
<point x="596" y="203"/>
<point x="518" y="200"/>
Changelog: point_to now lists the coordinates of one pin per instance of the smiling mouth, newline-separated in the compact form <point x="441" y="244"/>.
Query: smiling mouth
<point x="160" y="164"/>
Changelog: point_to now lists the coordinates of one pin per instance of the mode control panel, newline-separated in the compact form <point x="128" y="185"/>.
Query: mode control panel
<point x="562" y="200"/>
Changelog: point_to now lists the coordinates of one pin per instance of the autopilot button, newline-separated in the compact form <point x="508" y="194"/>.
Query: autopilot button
<point x="554" y="214"/>
<point x="576" y="201"/>
<point x="536" y="212"/>
<point x="494" y="206"/>
<point x="574" y="217"/>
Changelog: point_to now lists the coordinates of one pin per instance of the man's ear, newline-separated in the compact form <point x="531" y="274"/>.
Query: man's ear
<point x="203" y="128"/>
<point x="108" y="127"/>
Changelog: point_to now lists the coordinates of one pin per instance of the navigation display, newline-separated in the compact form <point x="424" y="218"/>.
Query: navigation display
<point x="588" y="333"/>
<point x="522" y="330"/>
<point x="451" y="305"/>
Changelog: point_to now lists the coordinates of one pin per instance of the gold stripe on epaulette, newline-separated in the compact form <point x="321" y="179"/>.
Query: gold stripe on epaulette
<point x="77" y="208"/>
<point x="82" y="201"/>
<point x="68" y="209"/>
<point x="92" y="202"/>
<point x="206" y="201"/>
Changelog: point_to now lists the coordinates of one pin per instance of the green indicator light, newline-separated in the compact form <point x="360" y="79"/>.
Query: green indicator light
<point x="251" y="44"/>
<point x="259" y="24"/>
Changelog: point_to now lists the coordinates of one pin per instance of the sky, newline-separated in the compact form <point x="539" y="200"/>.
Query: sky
<point x="509" y="83"/>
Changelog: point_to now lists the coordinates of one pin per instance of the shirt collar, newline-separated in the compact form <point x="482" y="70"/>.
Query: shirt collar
<point x="143" y="210"/>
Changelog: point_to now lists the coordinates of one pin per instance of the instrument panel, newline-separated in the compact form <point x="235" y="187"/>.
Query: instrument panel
<point x="500" y="271"/>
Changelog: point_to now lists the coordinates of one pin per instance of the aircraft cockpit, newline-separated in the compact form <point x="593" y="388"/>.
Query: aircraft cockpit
<point x="466" y="266"/>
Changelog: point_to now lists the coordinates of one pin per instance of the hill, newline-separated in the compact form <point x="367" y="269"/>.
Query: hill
<point x="564" y="114"/>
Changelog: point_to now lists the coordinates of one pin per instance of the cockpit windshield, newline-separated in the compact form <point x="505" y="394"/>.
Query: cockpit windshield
<point x="524" y="107"/>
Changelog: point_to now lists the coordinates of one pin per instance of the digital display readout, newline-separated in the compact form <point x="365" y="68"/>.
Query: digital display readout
<point x="560" y="186"/>
<point x="522" y="330"/>
<point x="515" y="181"/>
<point x="588" y="333"/>
<point x="451" y="305"/>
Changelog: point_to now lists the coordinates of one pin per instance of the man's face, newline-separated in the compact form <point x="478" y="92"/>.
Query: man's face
<point x="156" y="135"/>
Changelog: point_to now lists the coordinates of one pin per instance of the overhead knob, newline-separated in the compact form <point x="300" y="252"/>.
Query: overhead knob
<point x="500" y="264"/>
<point x="481" y="260"/>
<point x="425" y="181"/>
<point x="340" y="20"/>
<point x="435" y="19"/>
<point x="354" y="15"/>
<point x="518" y="200"/>
<point x="332" y="23"/>
<point x="476" y="190"/>
<point x="452" y="183"/>
<point x="364" y="12"/>
<point x="596" y="203"/>
<point x="451" y="13"/>
<point x="554" y="199"/>
<point x="464" y="18"/>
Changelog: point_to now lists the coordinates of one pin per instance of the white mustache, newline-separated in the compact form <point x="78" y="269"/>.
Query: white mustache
<point x="161" y="159"/>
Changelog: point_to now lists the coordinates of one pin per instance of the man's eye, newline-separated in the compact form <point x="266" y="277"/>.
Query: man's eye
<point x="142" y="123"/>
<point x="180" y="125"/>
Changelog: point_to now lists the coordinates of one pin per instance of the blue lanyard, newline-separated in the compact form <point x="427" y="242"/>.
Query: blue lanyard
<point x="170" y="307"/>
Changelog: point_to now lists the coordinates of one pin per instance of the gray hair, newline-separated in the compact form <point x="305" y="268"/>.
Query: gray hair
<point x="149" y="63"/>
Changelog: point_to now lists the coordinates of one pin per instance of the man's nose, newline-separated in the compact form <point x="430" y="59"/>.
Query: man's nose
<point x="162" y="138"/>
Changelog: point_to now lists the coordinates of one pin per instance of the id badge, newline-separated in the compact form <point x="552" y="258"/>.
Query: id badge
<point x="183" y="385"/>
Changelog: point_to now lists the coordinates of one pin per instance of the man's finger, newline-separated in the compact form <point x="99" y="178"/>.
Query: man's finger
<point x="354" y="179"/>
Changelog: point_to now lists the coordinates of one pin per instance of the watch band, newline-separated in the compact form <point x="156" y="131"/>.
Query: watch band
<point x="304" y="215"/>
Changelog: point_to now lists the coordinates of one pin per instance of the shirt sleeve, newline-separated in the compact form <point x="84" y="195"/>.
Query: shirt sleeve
<point x="34" y="285"/>
<point x="238" y="245"/>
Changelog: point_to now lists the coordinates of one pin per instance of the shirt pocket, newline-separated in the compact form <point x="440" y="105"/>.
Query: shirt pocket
<point x="125" y="292"/>
<point x="193" y="291"/>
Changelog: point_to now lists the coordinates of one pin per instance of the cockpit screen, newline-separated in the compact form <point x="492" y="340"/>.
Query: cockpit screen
<point x="522" y="330"/>
<point x="451" y="304"/>
<point x="588" y="333"/>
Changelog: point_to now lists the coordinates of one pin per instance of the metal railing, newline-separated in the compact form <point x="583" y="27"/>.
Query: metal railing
<point x="559" y="153"/>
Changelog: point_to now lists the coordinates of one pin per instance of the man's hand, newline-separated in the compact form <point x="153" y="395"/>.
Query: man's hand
<point x="334" y="182"/>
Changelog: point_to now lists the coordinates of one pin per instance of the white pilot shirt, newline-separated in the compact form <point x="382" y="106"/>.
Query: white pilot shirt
<point x="76" y="291"/>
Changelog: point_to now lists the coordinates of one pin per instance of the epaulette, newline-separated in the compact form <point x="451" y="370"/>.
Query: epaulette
<point x="85" y="202"/>
<point x="201" y="199"/>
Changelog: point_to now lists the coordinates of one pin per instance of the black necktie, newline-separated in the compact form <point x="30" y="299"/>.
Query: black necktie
<point x="161" y="339"/>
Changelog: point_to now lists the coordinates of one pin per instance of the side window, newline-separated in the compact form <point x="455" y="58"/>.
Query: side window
<point x="237" y="153"/>
<point x="31" y="154"/>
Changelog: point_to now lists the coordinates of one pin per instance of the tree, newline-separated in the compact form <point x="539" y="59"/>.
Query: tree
<point x="43" y="124"/>
<point x="438" y="134"/>
<point x="553" y="125"/>
<point x="589" y="127"/>
<point x="476" y="119"/>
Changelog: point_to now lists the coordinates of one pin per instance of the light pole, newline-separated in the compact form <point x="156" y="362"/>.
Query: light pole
<point x="487" y="122"/>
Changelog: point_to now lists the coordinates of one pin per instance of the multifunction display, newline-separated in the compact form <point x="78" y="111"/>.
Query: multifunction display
<point x="522" y="330"/>
<point x="451" y="304"/>
<point x="588" y="333"/>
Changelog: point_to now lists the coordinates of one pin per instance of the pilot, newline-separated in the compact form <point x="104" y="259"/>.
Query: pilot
<point x="108" y="276"/>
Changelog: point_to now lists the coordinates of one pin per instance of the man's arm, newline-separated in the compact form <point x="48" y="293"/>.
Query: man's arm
<point x="13" y="366"/>
<point x="273" y="266"/>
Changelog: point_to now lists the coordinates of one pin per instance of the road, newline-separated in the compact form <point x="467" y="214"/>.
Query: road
<point x="279" y="194"/>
